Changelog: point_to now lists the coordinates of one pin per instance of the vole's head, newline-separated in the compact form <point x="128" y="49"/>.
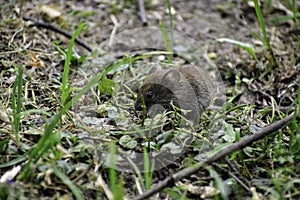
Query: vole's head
<point x="158" y="88"/>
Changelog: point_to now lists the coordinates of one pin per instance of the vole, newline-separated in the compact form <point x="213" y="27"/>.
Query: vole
<point x="187" y="87"/>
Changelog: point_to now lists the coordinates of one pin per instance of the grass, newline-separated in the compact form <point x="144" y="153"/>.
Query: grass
<point x="115" y="184"/>
<point x="148" y="169"/>
<point x="269" y="166"/>
<point x="248" y="47"/>
<point x="65" y="91"/>
<point x="168" y="35"/>
<point x="65" y="179"/>
<point x="47" y="141"/>
<point x="293" y="7"/>
<point x="52" y="137"/>
<point x="16" y="104"/>
<point x="265" y="40"/>
<point x="167" y="40"/>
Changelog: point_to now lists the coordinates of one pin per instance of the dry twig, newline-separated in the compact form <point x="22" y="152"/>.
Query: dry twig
<point x="142" y="12"/>
<point x="57" y="30"/>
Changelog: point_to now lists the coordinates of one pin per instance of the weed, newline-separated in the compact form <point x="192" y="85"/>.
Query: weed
<point x="265" y="40"/>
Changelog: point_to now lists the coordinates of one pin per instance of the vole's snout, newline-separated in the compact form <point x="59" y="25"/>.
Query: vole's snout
<point x="138" y="106"/>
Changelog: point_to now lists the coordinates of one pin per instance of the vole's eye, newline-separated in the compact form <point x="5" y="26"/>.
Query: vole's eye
<point x="149" y="95"/>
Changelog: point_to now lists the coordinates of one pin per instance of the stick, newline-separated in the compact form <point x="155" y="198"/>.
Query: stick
<point x="57" y="30"/>
<point x="245" y="141"/>
<point x="114" y="31"/>
<point x="142" y="12"/>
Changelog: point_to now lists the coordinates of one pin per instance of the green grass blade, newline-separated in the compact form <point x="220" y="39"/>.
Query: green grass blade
<point x="293" y="7"/>
<point x="16" y="161"/>
<point x="167" y="41"/>
<point x="261" y="22"/>
<point x="116" y="186"/>
<point x="170" y="14"/>
<point x="170" y="57"/>
<point x="278" y="20"/>
<point x="266" y="40"/>
<point x="36" y="111"/>
<point x="295" y="11"/>
<point x="257" y="37"/>
<point x="112" y="171"/>
<point x="65" y="89"/>
<point x="137" y="170"/>
<point x="17" y="103"/>
<point x="248" y="47"/>
<point x="75" y="190"/>
<point x="148" y="170"/>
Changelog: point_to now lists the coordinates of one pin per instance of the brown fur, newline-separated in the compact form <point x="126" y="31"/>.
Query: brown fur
<point x="186" y="86"/>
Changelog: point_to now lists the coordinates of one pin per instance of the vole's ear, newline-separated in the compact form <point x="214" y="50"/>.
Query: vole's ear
<point x="171" y="77"/>
<point x="154" y="68"/>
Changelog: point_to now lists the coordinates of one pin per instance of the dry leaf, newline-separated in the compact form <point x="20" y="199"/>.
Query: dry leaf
<point x="36" y="62"/>
<point x="50" y="13"/>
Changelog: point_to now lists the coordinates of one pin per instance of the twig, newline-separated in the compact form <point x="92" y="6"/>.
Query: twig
<point x="14" y="35"/>
<point x="100" y="182"/>
<point x="57" y="30"/>
<point x="223" y="170"/>
<point x="142" y="12"/>
<point x="245" y="141"/>
<point x="233" y="168"/>
<point x="83" y="173"/>
<point x="114" y="31"/>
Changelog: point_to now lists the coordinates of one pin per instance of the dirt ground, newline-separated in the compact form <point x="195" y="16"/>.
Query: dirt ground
<point x="39" y="49"/>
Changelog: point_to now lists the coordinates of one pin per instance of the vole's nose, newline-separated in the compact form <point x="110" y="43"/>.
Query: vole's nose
<point x="138" y="106"/>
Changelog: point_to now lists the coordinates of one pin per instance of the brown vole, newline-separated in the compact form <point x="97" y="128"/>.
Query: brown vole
<point x="186" y="86"/>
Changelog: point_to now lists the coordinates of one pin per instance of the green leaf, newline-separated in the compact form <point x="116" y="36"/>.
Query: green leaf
<point x="230" y="133"/>
<point x="106" y="86"/>
<point x="128" y="142"/>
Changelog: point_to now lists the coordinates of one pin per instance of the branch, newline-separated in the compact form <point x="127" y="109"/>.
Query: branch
<point x="57" y="30"/>
<point x="142" y="11"/>
<point x="244" y="142"/>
